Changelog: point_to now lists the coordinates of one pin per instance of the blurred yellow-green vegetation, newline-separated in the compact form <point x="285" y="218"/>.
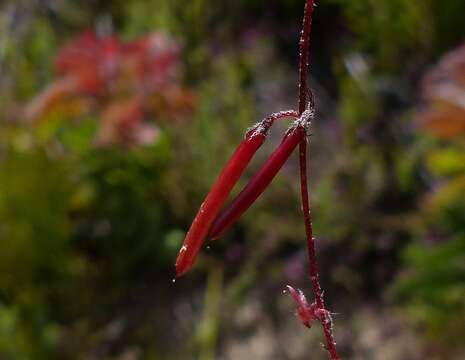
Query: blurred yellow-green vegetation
<point x="117" y="117"/>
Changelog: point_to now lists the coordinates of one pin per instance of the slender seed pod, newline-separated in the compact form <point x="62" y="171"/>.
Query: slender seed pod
<point x="259" y="182"/>
<point x="215" y="199"/>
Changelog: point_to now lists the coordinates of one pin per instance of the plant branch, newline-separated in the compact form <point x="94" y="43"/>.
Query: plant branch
<point x="326" y="321"/>
<point x="303" y="89"/>
<point x="304" y="54"/>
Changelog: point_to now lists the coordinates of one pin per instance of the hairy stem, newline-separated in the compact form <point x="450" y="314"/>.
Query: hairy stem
<point x="326" y="321"/>
<point x="304" y="54"/>
<point x="303" y="89"/>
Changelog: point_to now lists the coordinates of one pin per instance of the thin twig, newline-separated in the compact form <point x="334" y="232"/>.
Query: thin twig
<point x="303" y="88"/>
<point x="304" y="54"/>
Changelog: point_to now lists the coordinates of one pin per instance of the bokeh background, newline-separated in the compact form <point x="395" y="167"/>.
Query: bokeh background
<point x="116" y="117"/>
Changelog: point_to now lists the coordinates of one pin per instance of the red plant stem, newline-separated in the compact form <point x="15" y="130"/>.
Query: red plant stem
<point x="303" y="88"/>
<point x="326" y="323"/>
<point x="258" y="183"/>
<point x="304" y="54"/>
<point x="215" y="200"/>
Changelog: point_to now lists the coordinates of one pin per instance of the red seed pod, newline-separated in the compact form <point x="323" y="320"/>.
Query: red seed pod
<point x="221" y="189"/>
<point x="216" y="198"/>
<point x="258" y="183"/>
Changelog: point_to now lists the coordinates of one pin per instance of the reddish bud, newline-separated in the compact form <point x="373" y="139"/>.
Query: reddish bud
<point x="259" y="182"/>
<point x="305" y="312"/>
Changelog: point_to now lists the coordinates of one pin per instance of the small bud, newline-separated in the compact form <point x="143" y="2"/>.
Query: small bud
<point x="305" y="312"/>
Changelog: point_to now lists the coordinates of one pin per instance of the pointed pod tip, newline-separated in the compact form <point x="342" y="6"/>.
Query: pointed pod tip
<point x="183" y="264"/>
<point x="294" y="293"/>
<point x="181" y="270"/>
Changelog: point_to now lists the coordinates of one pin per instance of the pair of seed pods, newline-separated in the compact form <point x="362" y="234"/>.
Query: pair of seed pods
<point x="207" y="222"/>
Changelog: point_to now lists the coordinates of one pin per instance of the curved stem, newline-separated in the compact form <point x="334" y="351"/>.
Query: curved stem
<point x="267" y="122"/>
<point x="303" y="88"/>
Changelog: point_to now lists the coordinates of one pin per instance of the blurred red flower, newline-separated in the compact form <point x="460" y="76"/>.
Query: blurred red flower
<point x="122" y="82"/>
